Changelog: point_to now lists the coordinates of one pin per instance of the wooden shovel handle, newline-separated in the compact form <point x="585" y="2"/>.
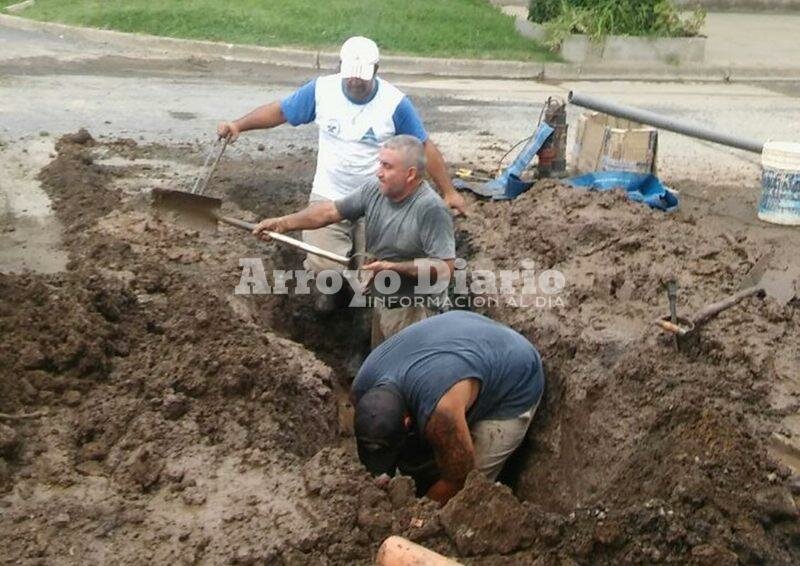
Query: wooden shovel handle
<point x="201" y="184"/>
<point x="712" y="310"/>
<point x="670" y="327"/>
<point x="287" y="240"/>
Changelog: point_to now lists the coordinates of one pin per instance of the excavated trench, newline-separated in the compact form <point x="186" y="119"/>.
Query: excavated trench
<point x="183" y="422"/>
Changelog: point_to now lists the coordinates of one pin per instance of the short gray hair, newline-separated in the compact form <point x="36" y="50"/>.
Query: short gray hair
<point x="412" y="150"/>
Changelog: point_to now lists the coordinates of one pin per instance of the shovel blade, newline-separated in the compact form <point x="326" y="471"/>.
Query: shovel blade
<point x="781" y="284"/>
<point x="778" y="278"/>
<point x="194" y="211"/>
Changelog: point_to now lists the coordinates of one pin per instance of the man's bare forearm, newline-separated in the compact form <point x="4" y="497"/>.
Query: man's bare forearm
<point x="413" y="269"/>
<point x="453" y="450"/>
<point x="312" y="217"/>
<point x="266" y="116"/>
<point x="437" y="169"/>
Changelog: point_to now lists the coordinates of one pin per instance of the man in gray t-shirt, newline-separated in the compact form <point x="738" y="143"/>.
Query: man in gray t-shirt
<point x="409" y="234"/>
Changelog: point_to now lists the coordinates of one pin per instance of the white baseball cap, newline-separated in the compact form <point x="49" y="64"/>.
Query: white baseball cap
<point x="358" y="57"/>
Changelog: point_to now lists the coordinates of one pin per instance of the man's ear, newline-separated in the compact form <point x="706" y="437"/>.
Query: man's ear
<point x="412" y="174"/>
<point x="407" y="422"/>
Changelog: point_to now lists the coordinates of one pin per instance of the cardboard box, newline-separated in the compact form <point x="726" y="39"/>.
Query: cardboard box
<point x="608" y="143"/>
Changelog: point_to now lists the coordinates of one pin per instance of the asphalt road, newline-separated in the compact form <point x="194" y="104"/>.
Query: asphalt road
<point x="50" y="86"/>
<point x="57" y="85"/>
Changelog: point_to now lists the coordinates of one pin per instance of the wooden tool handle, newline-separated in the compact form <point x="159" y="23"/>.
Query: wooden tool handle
<point x="200" y="185"/>
<point x="670" y="327"/>
<point x="714" y="309"/>
<point x="249" y="226"/>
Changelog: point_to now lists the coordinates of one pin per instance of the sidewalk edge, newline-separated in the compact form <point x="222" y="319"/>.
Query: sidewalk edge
<point x="395" y="64"/>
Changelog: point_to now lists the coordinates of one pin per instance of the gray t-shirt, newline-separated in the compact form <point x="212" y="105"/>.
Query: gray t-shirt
<point x="426" y="359"/>
<point x="418" y="227"/>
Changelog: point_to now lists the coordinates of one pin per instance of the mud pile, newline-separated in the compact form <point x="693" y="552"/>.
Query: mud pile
<point x="184" y="423"/>
<point x="655" y="454"/>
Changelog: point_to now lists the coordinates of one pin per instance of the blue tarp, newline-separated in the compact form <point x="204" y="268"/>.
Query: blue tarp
<point x="508" y="184"/>
<point x="640" y="187"/>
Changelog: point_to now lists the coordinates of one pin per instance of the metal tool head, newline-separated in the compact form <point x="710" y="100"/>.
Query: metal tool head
<point x="778" y="278"/>
<point x="195" y="211"/>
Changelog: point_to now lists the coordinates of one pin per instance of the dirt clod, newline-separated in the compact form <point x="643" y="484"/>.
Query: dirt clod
<point x="486" y="518"/>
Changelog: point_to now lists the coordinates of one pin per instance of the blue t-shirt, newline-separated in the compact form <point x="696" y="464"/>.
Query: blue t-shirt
<point x="300" y="108"/>
<point x="426" y="359"/>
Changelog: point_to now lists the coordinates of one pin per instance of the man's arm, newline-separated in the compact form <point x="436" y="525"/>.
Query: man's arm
<point x="266" y="116"/>
<point x="448" y="434"/>
<point x="411" y="269"/>
<point x="438" y="172"/>
<point x="312" y="217"/>
<point x="298" y="108"/>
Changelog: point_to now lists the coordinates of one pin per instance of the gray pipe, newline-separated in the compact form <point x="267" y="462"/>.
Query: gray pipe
<point x="659" y="121"/>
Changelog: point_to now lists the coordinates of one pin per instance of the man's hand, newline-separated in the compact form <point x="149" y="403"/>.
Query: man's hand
<point x="436" y="267"/>
<point x="442" y="491"/>
<point x="228" y="130"/>
<point x="456" y="201"/>
<point x="315" y="215"/>
<point x="270" y="225"/>
<point x="371" y="269"/>
<point x="376" y="266"/>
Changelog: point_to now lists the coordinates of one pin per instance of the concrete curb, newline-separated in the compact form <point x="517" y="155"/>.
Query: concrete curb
<point x="164" y="47"/>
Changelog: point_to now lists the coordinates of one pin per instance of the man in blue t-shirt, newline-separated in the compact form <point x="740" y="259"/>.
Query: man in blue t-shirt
<point x="355" y="112"/>
<point x="452" y="393"/>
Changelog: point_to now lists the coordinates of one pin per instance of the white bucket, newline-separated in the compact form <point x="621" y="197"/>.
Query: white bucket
<point x="780" y="183"/>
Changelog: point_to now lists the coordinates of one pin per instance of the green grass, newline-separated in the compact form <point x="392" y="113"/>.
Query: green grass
<point x="435" y="28"/>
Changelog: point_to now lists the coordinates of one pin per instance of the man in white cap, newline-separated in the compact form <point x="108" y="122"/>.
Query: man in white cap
<point x="356" y="112"/>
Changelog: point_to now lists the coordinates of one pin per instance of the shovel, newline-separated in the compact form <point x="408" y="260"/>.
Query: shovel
<point x="762" y="280"/>
<point x="203" y="213"/>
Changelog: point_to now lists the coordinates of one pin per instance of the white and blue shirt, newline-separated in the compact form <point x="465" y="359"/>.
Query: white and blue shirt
<point x="350" y="133"/>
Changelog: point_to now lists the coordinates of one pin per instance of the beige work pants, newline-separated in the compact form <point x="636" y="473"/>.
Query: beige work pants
<point x="388" y="322"/>
<point x="495" y="440"/>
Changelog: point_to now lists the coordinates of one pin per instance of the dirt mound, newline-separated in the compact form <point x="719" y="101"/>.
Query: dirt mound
<point x="153" y="377"/>
<point x="630" y="424"/>
<point x="184" y="423"/>
<point x="57" y="333"/>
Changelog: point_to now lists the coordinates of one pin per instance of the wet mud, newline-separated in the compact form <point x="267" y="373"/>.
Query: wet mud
<point x="175" y="421"/>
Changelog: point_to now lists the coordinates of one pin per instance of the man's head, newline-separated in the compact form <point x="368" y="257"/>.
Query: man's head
<point x="401" y="166"/>
<point x="381" y="428"/>
<point x="358" y="63"/>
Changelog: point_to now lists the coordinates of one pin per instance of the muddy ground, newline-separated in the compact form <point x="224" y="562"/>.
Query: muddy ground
<point x="174" y="421"/>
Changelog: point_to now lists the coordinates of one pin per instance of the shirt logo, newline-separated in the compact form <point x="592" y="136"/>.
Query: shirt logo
<point x="370" y="137"/>
<point x="333" y="127"/>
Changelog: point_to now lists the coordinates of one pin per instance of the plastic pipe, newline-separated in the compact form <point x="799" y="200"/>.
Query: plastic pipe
<point x="397" y="551"/>
<point x="664" y="122"/>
